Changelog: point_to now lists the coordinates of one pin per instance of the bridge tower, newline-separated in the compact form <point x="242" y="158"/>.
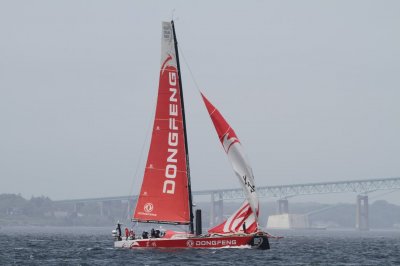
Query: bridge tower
<point x="101" y="208"/>
<point x="131" y="203"/>
<point x="104" y="208"/>
<point x="362" y="222"/>
<point x="217" y="208"/>
<point x="283" y="206"/>
<point x="77" y="207"/>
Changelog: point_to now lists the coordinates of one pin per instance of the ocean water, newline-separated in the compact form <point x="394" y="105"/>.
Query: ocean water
<point x="94" y="246"/>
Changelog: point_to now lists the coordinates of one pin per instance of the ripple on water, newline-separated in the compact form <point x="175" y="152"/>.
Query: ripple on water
<point x="297" y="248"/>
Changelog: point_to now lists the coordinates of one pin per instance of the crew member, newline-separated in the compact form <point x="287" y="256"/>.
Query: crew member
<point x="119" y="231"/>
<point x="126" y="233"/>
<point x="132" y="234"/>
<point x="244" y="227"/>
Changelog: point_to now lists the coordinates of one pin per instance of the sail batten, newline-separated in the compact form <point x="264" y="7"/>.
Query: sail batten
<point x="165" y="181"/>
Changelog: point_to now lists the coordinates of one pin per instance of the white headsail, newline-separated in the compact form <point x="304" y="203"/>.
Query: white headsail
<point x="242" y="169"/>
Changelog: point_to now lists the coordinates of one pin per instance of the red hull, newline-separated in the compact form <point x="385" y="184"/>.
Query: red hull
<point x="254" y="241"/>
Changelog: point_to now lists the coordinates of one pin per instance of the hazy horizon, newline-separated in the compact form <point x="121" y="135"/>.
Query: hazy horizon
<point x="311" y="89"/>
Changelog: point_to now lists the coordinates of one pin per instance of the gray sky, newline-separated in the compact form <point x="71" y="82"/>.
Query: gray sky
<point x="312" y="89"/>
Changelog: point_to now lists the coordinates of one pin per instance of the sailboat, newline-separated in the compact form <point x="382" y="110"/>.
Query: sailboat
<point x="165" y="196"/>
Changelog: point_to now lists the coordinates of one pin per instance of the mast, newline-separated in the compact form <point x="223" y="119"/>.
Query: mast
<point x="191" y="226"/>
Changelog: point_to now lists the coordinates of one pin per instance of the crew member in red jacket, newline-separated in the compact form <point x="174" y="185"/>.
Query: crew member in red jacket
<point x="126" y="233"/>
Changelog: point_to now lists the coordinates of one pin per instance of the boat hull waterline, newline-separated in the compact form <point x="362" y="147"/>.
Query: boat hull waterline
<point x="215" y="242"/>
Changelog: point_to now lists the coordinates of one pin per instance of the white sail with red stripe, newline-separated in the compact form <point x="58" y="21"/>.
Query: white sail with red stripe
<point x="248" y="213"/>
<point x="243" y="220"/>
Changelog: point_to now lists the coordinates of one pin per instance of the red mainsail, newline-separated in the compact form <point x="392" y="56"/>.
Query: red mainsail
<point x="164" y="195"/>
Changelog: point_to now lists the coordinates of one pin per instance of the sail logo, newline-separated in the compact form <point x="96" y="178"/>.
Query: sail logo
<point x="167" y="31"/>
<point x="165" y="64"/>
<point x="228" y="142"/>
<point x="248" y="184"/>
<point x="171" y="168"/>
<point x="148" y="207"/>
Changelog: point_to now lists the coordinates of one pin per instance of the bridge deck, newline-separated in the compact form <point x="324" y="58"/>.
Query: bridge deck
<point x="283" y="191"/>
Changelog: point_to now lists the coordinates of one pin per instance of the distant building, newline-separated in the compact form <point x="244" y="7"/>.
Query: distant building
<point x="288" y="221"/>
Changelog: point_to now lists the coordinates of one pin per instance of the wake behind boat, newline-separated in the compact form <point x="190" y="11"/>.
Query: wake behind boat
<point x="165" y="196"/>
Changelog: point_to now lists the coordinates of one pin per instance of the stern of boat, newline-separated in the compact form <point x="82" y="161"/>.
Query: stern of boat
<point x="259" y="241"/>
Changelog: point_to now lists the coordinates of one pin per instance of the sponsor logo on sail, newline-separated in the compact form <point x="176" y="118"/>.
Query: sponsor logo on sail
<point x="167" y="31"/>
<point x="148" y="210"/>
<point x="171" y="168"/>
<point x="247" y="183"/>
<point x="148" y="207"/>
<point x="165" y="64"/>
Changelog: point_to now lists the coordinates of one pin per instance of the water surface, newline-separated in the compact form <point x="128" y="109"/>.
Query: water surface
<point x="94" y="246"/>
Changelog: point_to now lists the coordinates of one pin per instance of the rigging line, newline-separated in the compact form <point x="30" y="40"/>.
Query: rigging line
<point x="187" y="65"/>
<point x="140" y="161"/>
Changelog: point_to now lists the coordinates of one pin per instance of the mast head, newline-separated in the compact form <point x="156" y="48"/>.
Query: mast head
<point x="172" y="14"/>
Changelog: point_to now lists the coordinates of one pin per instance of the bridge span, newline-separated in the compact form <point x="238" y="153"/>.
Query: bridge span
<point x="283" y="192"/>
<point x="363" y="186"/>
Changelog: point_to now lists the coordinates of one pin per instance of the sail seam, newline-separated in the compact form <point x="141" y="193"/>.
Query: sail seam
<point x="213" y="111"/>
